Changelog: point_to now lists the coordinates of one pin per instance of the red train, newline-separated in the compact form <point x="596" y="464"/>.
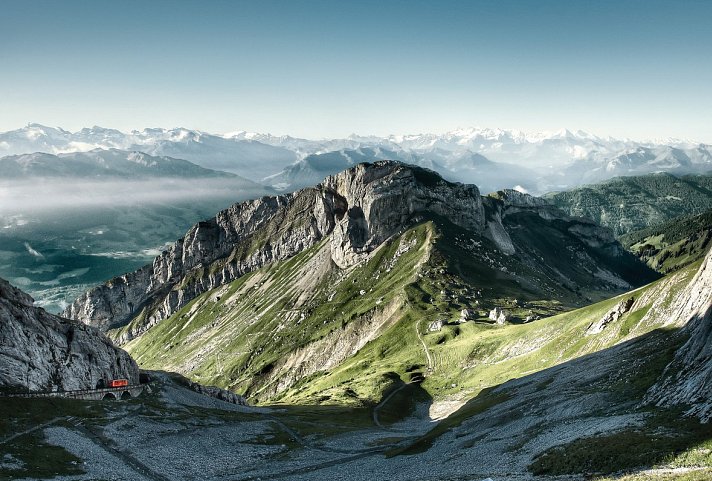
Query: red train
<point x="118" y="383"/>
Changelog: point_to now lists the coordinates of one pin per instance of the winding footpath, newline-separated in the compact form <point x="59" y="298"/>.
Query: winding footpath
<point x="431" y="364"/>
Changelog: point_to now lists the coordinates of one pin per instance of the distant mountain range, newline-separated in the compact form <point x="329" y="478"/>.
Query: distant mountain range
<point x="491" y="158"/>
<point x="100" y="164"/>
<point x="249" y="158"/>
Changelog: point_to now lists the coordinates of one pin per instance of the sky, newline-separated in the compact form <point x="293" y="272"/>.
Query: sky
<point x="627" y="68"/>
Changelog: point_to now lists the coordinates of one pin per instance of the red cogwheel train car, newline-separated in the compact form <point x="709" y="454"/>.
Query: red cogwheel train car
<point x="118" y="383"/>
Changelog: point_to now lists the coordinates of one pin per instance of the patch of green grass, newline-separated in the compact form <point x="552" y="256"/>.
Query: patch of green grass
<point x="402" y="403"/>
<point x="697" y="455"/>
<point x="672" y="245"/>
<point x="38" y="459"/>
<point x="696" y="475"/>
<point x="632" y="319"/>
<point x="666" y="436"/>
<point x="324" y="420"/>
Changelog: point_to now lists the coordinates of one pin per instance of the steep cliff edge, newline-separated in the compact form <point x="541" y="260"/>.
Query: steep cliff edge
<point x="688" y="379"/>
<point x="43" y="352"/>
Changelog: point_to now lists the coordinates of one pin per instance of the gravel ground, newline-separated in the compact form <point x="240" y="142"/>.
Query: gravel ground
<point x="186" y="440"/>
<point x="98" y="462"/>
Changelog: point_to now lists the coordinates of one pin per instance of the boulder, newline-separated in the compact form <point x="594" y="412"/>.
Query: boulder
<point x="499" y="315"/>
<point x="436" y="325"/>
<point x="611" y="316"/>
<point x="468" y="314"/>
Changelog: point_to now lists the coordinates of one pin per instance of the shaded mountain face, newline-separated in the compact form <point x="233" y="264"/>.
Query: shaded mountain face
<point x="354" y="245"/>
<point x="627" y="204"/>
<point x="42" y="352"/>
<point x="672" y="245"/>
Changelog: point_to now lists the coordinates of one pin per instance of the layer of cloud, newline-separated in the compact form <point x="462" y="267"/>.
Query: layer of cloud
<point x="32" y="196"/>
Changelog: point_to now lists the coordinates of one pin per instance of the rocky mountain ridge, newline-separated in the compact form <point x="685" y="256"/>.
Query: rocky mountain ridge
<point x="627" y="204"/>
<point x="361" y="207"/>
<point x="357" y="209"/>
<point x="99" y="164"/>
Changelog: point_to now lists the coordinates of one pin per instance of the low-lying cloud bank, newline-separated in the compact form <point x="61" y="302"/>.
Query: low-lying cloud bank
<point x="50" y="194"/>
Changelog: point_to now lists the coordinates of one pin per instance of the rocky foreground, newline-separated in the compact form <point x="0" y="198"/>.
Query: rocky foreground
<point x="43" y="352"/>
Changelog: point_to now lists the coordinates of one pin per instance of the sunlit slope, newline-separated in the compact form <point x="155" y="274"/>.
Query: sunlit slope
<point x="604" y="393"/>
<point x="306" y="331"/>
<point x="259" y="333"/>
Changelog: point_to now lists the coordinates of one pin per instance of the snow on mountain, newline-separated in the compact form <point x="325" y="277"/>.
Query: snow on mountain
<point x="98" y="163"/>
<point x="248" y="158"/>
<point x="491" y="158"/>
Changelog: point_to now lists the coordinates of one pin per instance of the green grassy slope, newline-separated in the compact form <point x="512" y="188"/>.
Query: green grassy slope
<point x="644" y="342"/>
<point x="303" y="331"/>
<point x="237" y="336"/>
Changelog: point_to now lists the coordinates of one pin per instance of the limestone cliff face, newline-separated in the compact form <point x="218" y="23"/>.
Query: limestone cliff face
<point x="379" y="200"/>
<point x="688" y="379"/>
<point x="359" y="208"/>
<point x="510" y="202"/>
<point x="43" y="352"/>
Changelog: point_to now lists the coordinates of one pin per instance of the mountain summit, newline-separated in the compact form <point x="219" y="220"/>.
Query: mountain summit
<point x="355" y="243"/>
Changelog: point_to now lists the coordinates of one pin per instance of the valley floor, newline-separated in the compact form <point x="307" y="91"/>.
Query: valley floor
<point x="176" y="434"/>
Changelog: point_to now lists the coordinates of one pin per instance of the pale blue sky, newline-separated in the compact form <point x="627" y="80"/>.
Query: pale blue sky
<point x="636" y="68"/>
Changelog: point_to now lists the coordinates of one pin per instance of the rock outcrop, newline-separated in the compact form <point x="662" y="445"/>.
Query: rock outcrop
<point x="468" y="315"/>
<point x="43" y="352"/>
<point x="499" y="315"/>
<point x="688" y="379"/>
<point x="218" y="393"/>
<point x="359" y="208"/>
<point x="611" y="316"/>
